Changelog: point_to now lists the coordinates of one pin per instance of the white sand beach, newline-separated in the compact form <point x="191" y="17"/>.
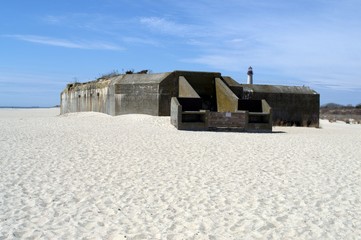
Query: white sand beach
<point x="93" y="176"/>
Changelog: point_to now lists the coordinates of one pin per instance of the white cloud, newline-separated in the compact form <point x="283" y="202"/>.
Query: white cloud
<point x="65" y="43"/>
<point x="137" y="40"/>
<point x="92" y="22"/>
<point x="318" y="46"/>
<point x="313" y="41"/>
<point x="51" y="19"/>
<point x="217" y="61"/>
<point x="166" y="26"/>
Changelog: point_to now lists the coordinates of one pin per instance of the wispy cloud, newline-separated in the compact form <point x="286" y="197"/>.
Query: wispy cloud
<point x="91" y="22"/>
<point x="65" y="43"/>
<point x="166" y="26"/>
<point x="142" y="41"/>
<point x="51" y="19"/>
<point x="126" y="30"/>
<point x="315" y="46"/>
<point x="309" y="42"/>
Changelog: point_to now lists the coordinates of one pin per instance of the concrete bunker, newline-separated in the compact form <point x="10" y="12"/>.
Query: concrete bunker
<point x="217" y="109"/>
<point x="197" y="100"/>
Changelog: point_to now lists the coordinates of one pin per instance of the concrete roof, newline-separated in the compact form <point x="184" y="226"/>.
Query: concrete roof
<point x="277" y="89"/>
<point x="135" y="78"/>
<point x="230" y="81"/>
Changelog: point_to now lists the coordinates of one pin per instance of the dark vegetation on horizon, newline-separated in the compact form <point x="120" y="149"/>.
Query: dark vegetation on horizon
<point x="336" y="112"/>
<point x="106" y="76"/>
<point x="335" y="105"/>
<point x="115" y="73"/>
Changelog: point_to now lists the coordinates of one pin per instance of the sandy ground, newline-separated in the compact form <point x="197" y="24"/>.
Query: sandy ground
<point x="93" y="176"/>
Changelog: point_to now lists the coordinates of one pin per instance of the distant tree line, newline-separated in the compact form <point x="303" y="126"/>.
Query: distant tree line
<point x="336" y="106"/>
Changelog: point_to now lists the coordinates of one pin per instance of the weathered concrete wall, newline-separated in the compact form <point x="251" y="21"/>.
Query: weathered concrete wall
<point x="234" y="86"/>
<point x="236" y="120"/>
<point x="152" y="94"/>
<point x="291" y="105"/>
<point x="137" y="98"/>
<point x="185" y="89"/>
<point x="110" y="102"/>
<point x="203" y="120"/>
<point x="227" y="101"/>
<point x="86" y="97"/>
<point x="168" y="88"/>
<point x="176" y="112"/>
<point x="204" y="84"/>
<point x="187" y="120"/>
<point x="137" y="93"/>
<point x="260" y="119"/>
<point x="292" y="109"/>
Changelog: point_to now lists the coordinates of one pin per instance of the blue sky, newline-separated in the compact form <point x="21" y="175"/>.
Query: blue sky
<point x="46" y="44"/>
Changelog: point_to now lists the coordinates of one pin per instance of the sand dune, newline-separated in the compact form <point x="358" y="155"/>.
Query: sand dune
<point x="93" y="176"/>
